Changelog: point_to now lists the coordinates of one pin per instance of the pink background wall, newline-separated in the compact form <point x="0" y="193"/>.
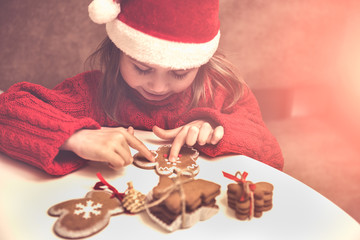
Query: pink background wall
<point x="300" y="57"/>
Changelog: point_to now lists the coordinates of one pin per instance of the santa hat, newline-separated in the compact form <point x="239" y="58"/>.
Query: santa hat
<point x="179" y="34"/>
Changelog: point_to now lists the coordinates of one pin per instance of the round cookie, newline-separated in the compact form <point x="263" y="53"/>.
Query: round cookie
<point x="141" y="162"/>
<point x="185" y="163"/>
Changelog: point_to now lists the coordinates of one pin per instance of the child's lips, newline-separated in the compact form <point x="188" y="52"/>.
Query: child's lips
<point x="154" y="97"/>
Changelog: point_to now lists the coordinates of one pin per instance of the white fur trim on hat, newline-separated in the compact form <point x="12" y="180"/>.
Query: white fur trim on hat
<point x="153" y="50"/>
<point x="103" y="11"/>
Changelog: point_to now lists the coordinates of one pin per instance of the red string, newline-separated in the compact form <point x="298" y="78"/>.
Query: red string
<point x="236" y="179"/>
<point x="100" y="186"/>
<point x="242" y="181"/>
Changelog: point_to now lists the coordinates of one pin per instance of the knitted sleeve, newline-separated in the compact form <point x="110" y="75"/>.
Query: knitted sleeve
<point x="245" y="132"/>
<point x="36" y="121"/>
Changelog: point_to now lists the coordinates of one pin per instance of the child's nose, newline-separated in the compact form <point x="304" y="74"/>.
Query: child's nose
<point x="158" y="85"/>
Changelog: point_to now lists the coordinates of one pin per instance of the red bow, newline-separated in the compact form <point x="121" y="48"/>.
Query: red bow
<point x="100" y="186"/>
<point x="248" y="187"/>
<point x="239" y="180"/>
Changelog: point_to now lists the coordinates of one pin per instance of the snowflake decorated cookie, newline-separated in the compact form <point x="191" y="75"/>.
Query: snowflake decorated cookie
<point x="85" y="216"/>
<point x="185" y="163"/>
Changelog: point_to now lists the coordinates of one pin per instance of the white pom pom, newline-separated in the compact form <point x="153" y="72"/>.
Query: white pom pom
<point x="103" y="11"/>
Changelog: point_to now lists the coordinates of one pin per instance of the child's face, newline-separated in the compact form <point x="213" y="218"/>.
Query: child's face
<point x="153" y="82"/>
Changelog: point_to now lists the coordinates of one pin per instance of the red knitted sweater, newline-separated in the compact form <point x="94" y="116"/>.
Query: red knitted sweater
<point x="36" y="121"/>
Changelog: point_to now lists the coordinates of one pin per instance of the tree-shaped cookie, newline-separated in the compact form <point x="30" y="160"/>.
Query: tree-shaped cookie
<point x="185" y="163"/>
<point x="181" y="201"/>
<point x="85" y="216"/>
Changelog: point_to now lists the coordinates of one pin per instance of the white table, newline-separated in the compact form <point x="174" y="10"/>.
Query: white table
<point x="299" y="212"/>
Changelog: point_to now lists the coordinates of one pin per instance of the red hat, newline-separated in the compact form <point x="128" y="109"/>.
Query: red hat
<point x="179" y="34"/>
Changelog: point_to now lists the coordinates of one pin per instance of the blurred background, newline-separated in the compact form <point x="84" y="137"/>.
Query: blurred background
<point x="300" y="57"/>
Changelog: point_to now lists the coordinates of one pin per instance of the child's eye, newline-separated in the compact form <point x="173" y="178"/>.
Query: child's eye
<point x="142" y="71"/>
<point x="179" y="76"/>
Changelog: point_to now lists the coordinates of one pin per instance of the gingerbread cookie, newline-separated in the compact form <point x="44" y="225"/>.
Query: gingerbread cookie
<point x="173" y="208"/>
<point x="248" y="199"/>
<point x="247" y="204"/>
<point x="85" y="216"/>
<point x="185" y="163"/>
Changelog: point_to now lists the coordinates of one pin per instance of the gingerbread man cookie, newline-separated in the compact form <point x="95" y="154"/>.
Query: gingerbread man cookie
<point x="85" y="216"/>
<point x="185" y="163"/>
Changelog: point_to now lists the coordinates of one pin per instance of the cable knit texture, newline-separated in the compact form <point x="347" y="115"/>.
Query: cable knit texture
<point x="35" y="121"/>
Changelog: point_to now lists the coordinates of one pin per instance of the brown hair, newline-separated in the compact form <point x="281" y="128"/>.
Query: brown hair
<point x="112" y="88"/>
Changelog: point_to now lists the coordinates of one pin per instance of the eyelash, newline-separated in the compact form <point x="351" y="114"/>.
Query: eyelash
<point x="179" y="76"/>
<point x="147" y="71"/>
<point x="141" y="71"/>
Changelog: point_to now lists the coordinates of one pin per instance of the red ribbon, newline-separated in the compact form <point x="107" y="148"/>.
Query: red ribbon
<point x="100" y="186"/>
<point x="239" y="180"/>
<point x="236" y="179"/>
<point x="244" y="183"/>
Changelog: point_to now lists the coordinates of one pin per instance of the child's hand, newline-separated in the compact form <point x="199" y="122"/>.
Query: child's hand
<point x="106" y="145"/>
<point x="198" y="131"/>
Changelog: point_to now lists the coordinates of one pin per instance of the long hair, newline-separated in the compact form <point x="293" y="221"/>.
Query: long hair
<point x="112" y="88"/>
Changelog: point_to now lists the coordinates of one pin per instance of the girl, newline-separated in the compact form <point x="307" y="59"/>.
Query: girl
<point x="160" y="71"/>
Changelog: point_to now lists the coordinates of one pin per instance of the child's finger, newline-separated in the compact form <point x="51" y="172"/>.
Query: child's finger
<point x="139" y="145"/>
<point x="130" y="130"/>
<point x="116" y="164"/>
<point x="114" y="160"/>
<point x="192" y="136"/>
<point x="177" y="144"/>
<point x="166" y="134"/>
<point x="124" y="152"/>
<point x="205" y="132"/>
<point x="217" y="135"/>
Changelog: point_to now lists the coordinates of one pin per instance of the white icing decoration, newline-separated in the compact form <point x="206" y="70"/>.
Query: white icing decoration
<point x="88" y="209"/>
